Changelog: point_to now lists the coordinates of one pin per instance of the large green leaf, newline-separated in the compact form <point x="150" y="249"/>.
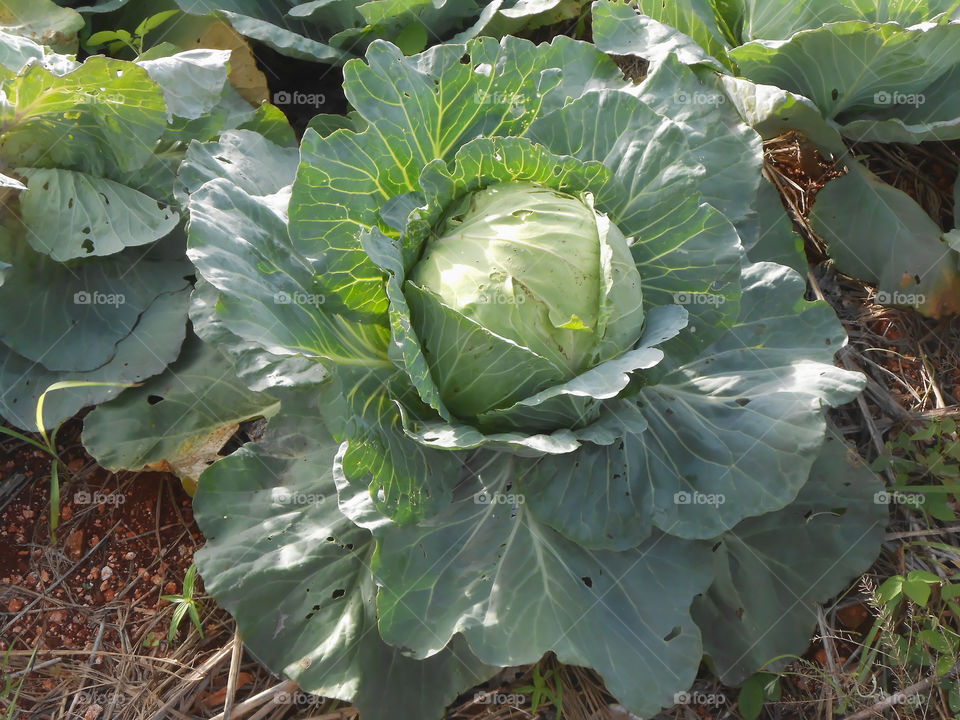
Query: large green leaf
<point x="84" y="309"/>
<point x="343" y="181"/>
<point x="714" y="132"/>
<point x="499" y="90"/>
<point x="405" y="481"/>
<point x="880" y="234"/>
<point x="867" y="62"/>
<point x="772" y="570"/>
<point x="768" y="234"/>
<point x="687" y="29"/>
<point x="271" y="24"/>
<point x="74" y="215"/>
<point x="16" y="52"/>
<point x="648" y="153"/>
<point x="780" y="19"/>
<point x="772" y="111"/>
<point x="933" y="114"/>
<point x="252" y="162"/>
<point x="146" y="352"/>
<point x="515" y="589"/>
<point x="103" y="117"/>
<point x="767" y="379"/>
<point x="257" y="368"/>
<point x="295" y="573"/>
<point x="42" y="21"/>
<point x="271" y="295"/>
<point x="192" y="81"/>
<point x="178" y="420"/>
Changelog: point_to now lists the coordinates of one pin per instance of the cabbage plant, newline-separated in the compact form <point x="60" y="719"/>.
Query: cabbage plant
<point x="333" y="31"/>
<point x="91" y="232"/>
<point x="533" y="394"/>
<point x="891" y="77"/>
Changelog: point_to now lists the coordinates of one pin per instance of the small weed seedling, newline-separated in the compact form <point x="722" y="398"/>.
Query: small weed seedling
<point x="185" y="603"/>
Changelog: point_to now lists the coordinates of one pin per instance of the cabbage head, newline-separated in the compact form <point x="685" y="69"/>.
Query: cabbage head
<point x="566" y="399"/>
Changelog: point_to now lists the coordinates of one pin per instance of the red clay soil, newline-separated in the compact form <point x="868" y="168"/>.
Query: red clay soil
<point x="122" y="542"/>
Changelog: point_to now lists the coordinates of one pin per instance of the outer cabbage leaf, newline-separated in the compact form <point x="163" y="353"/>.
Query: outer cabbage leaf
<point x="934" y="114"/>
<point x="89" y="308"/>
<point x="712" y="129"/>
<point x="177" y="421"/>
<point x="333" y="31"/>
<point x="155" y="343"/>
<point x="274" y="531"/>
<point x="192" y="81"/>
<point x="768" y="234"/>
<point x="870" y="62"/>
<point x="43" y="22"/>
<point x="688" y="30"/>
<point x="879" y="233"/>
<point x="259" y="370"/>
<point x="770" y="570"/>
<point x="16" y="52"/>
<point x="74" y="215"/>
<point x="780" y="19"/>
<point x="772" y="111"/>
<point x="104" y="117"/>
<point x="515" y="588"/>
